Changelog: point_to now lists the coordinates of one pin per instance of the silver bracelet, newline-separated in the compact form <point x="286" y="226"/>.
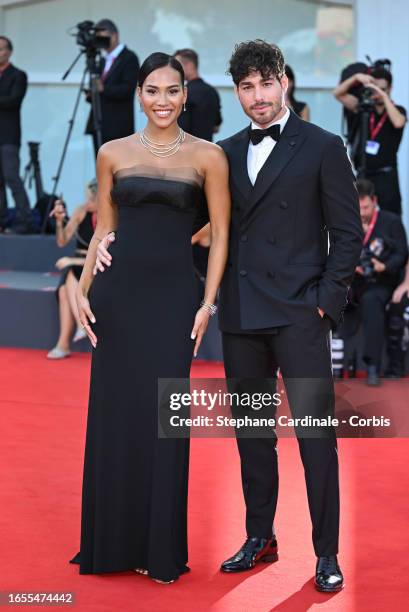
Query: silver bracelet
<point x="211" y="308"/>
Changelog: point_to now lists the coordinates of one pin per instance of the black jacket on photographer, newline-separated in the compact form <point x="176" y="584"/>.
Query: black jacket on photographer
<point x="387" y="242"/>
<point x="117" y="98"/>
<point x="13" y="88"/>
<point x="202" y="112"/>
<point x="373" y="291"/>
<point x="382" y="168"/>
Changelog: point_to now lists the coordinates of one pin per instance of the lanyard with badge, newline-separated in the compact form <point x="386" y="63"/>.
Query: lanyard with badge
<point x="373" y="146"/>
<point x="371" y="225"/>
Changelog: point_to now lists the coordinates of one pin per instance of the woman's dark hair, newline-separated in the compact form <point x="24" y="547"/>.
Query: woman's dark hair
<point x="159" y="60"/>
<point x="256" y="56"/>
<point x="291" y="77"/>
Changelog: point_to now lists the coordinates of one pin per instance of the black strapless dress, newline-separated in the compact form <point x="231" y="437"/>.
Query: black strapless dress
<point x="134" y="498"/>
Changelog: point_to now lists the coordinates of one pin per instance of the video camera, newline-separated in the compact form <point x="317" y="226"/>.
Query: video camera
<point x="88" y="37"/>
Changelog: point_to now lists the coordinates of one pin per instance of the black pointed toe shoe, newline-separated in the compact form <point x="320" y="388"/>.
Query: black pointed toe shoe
<point x="252" y="551"/>
<point x="328" y="575"/>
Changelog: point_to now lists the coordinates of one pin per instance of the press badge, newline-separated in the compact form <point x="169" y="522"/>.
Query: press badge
<point x="372" y="147"/>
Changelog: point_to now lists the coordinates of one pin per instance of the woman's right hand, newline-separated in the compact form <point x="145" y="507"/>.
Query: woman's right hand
<point x="86" y="316"/>
<point x="59" y="211"/>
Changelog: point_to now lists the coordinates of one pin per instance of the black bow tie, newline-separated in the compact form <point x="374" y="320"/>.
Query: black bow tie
<point x="256" y="136"/>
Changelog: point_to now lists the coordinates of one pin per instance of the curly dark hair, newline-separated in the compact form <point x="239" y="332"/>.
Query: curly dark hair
<point x="256" y="56"/>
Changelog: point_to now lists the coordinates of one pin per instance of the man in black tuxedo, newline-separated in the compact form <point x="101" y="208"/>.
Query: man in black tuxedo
<point x="13" y="88"/>
<point x="292" y="188"/>
<point x="117" y="87"/>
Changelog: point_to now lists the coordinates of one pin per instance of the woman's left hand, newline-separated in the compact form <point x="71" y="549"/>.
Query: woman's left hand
<point x="199" y="328"/>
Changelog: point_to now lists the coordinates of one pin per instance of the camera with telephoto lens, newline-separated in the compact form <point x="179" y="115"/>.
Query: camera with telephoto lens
<point x="366" y="101"/>
<point x="364" y="94"/>
<point x="376" y="249"/>
<point x="366" y="264"/>
<point x="89" y="38"/>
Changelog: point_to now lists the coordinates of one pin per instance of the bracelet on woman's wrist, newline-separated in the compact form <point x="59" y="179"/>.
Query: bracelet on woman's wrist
<point x="211" y="308"/>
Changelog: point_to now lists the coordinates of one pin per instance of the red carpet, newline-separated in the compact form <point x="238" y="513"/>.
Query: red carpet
<point x="43" y="415"/>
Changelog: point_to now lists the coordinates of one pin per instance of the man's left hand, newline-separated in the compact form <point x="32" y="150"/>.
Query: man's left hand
<point x="320" y="312"/>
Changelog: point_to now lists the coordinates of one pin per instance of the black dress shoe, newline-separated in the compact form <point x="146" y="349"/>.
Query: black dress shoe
<point x="328" y="576"/>
<point x="373" y="379"/>
<point x="253" y="550"/>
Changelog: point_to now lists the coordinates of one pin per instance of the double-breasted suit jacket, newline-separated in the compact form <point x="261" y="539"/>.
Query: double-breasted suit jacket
<point x="296" y="235"/>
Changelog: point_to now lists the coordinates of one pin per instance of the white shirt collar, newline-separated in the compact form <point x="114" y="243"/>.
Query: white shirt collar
<point x="115" y="52"/>
<point x="281" y="122"/>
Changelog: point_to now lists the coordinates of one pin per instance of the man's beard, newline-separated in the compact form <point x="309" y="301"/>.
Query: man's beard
<point x="274" y="109"/>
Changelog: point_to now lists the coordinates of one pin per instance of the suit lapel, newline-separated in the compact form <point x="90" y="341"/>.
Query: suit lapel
<point x="238" y="163"/>
<point x="288" y="145"/>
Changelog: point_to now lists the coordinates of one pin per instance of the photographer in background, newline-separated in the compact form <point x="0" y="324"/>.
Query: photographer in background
<point x="80" y="226"/>
<point x="116" y="86"/>
<point x="398" y="329"/>
<point x="300" y="108"/>
<point x="13" y="87"/>
<point x="380" y="270"/>
<point x="202" y="117"/>
<point x="385" y="130"/>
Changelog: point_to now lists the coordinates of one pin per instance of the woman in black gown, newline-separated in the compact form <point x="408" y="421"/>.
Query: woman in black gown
<point x="140" y="316"/>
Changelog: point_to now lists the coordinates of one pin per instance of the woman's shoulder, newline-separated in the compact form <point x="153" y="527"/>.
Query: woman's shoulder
<point x="114" y="147"/>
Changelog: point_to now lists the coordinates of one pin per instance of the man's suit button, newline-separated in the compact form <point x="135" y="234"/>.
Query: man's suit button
<point x="272" y="239"/>
<point x="243" y="272"/>
<point x="243" y="238"/>
<point x="283" y="204"/>
<point x="271" y="273"/>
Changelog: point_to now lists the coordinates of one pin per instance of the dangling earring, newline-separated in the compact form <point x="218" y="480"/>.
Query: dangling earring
<point x="184" y="106"/>
<point x="140" y="106"/>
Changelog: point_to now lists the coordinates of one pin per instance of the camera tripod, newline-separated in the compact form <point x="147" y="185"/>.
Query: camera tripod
<point x="358" y="148"/>
<point x="92" y="72"/>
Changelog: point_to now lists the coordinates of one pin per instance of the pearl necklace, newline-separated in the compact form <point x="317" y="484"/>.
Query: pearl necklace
<point x="160" y="149"/>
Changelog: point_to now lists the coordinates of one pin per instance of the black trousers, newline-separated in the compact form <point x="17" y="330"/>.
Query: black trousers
<point x="10" y="177"/>
<point x="397" y="321"/>
<point x="372" y="306"/>
<point x="387" y="190"/>
<point x="302" y="352"/>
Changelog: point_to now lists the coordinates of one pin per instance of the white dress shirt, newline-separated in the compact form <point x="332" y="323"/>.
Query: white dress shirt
<point x="257" y="154"/>
<point x="110" y="57"/>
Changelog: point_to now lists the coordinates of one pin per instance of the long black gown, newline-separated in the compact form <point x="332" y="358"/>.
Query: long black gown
<point x="134" y="499"/>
